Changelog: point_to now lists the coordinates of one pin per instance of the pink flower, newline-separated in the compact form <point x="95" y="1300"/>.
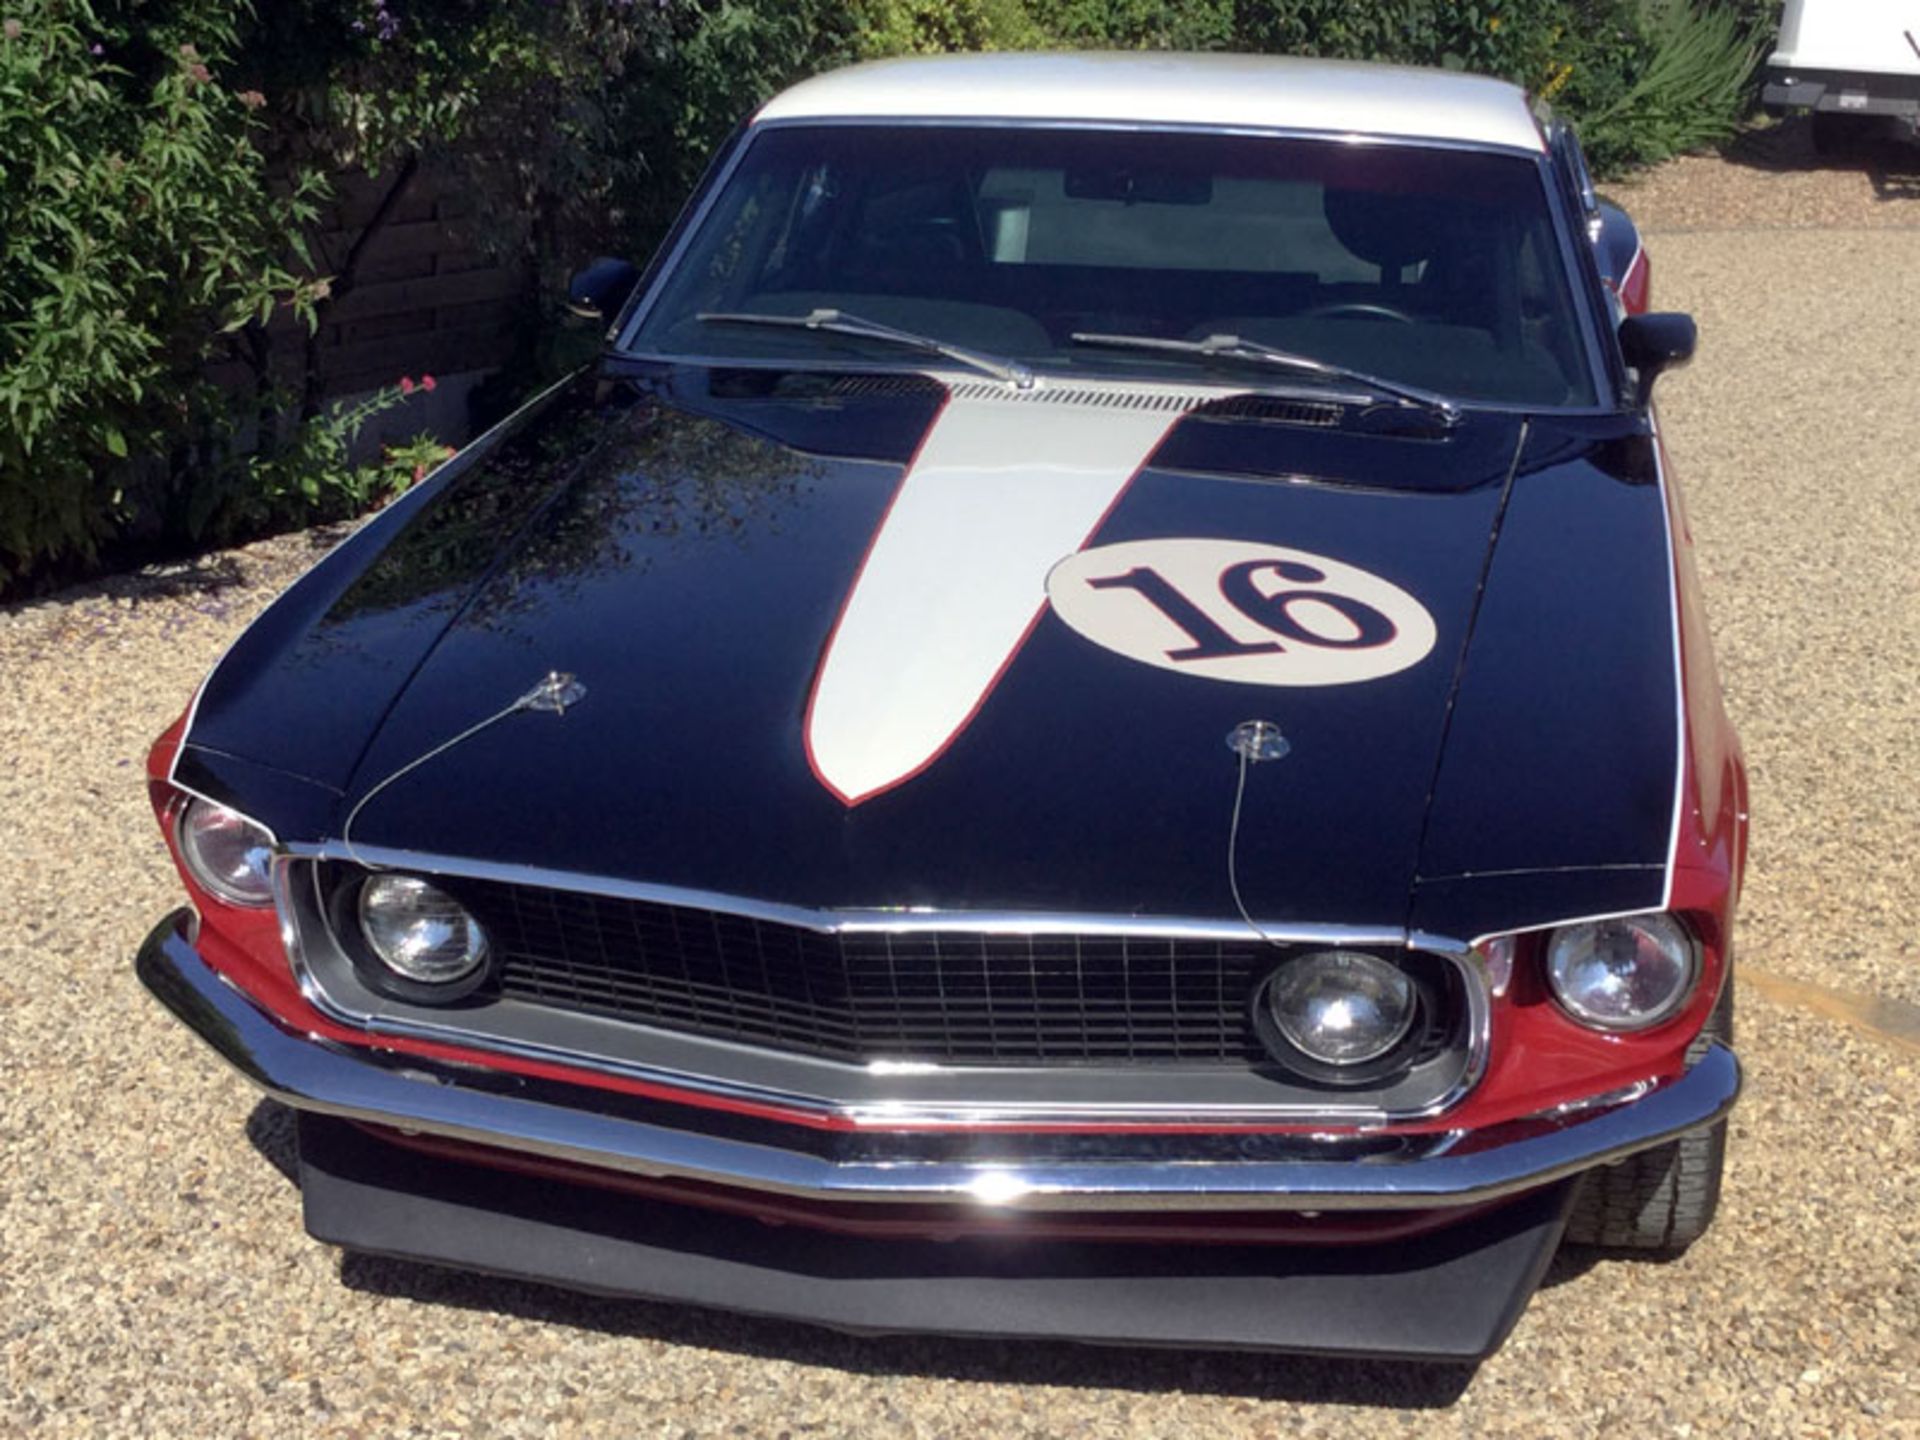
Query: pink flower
<point x="201" y="75"/>
<point x="419" y="473"/>
<point x="12" y="29"/>
<point x="427" y="382"/>
<point x="406" y="384"/>
<point x="252" y="99"/>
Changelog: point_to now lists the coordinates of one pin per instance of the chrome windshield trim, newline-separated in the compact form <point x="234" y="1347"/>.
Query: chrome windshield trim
<point x="1577" y="263"/>
<point x="955" y="1110"/>
<point x="1105" y="1173"/>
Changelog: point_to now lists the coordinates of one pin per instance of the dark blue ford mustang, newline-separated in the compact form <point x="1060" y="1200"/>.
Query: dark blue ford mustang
<point x="1107" y="659"/>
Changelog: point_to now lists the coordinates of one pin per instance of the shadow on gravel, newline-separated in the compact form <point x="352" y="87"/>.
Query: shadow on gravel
<point x="1570" y="1262"/>
<point x="205" y="577"/>
<point x="270" y="1130"/>
<point x="202" y="579"/>
<point x="1299" y="1379"/>
<point x="1890" y="163"/>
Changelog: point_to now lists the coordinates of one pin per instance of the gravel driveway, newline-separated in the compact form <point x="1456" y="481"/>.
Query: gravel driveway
<point x="156" y="1281"/>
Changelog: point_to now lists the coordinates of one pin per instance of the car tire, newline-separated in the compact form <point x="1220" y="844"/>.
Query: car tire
<point x="1664" y="1198"/>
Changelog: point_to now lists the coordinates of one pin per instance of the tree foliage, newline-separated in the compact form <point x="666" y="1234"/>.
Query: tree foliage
<point x="137" y="226"/>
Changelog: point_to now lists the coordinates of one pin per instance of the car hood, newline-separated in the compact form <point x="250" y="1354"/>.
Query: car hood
<point x="884" y="642"/>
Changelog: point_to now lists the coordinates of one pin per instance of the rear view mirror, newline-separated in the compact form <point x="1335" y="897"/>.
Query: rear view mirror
<point x="599" y="291"/>
<point x="1653" y="344"/>
<point x="1139" y="187"/>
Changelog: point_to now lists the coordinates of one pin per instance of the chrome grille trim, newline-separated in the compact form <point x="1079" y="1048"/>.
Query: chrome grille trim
<point x="837" y="922"/>
<point x="290" y="874"/>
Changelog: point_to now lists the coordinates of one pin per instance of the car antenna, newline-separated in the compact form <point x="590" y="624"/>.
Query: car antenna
<point x="1255" y="742"/>
<point x="553" y="694"/>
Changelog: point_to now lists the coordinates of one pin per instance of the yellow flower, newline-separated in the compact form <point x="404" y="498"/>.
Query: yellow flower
<point x="1494" y="24"/>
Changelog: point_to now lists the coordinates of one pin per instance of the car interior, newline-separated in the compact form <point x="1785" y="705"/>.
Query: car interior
<point x="1451" y="281"/>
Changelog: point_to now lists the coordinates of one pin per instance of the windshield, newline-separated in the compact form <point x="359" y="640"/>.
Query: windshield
<point x="1435" y="268"/>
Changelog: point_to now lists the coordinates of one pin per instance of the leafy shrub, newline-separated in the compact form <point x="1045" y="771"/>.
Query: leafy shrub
<point x="137" y="227"/>
<point x="310" y="476"/>
<point x="1137" y="24"/>
<point x="1690" y="88"/>
<point x="930" y="27"/>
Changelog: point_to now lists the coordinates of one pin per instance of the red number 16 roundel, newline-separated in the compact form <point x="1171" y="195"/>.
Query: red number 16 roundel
<point x="1233" y="610"/>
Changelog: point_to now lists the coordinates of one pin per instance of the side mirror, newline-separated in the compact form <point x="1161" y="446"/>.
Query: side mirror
<point x="598" y="291"/>
<point x="1654" y="344"/>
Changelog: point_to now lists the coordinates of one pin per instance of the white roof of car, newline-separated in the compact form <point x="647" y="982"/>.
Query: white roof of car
<point x="1262" y="92"/>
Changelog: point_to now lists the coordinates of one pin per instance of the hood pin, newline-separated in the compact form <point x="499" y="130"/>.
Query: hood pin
<point x="554" y="694"/>
<point x="1257" y="740"/>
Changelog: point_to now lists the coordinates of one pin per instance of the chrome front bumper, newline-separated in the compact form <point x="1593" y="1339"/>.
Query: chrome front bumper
<point x="592" y="1126"/>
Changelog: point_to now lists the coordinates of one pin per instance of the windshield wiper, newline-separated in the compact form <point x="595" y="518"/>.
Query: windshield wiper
<point x="1232" y="347"/>
<point x="839" y="322"/>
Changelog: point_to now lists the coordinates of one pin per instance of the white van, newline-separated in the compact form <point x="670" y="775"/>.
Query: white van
<point x="1854" y="63"/>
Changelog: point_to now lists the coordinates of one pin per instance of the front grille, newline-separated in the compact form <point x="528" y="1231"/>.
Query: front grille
<point x="937" y="996"/>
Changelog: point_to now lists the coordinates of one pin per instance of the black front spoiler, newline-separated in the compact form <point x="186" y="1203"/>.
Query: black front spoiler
<point x="1447" y="1295"/>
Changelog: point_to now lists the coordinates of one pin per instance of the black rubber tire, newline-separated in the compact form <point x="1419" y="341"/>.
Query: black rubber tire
<point x="1660" y="1199"/>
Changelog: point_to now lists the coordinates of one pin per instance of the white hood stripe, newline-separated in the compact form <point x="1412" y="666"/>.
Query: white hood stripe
<point x="956" y="576"/>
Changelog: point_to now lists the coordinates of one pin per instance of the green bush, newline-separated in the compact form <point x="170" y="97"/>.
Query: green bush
<point x="1137" y="24"/>
<point x="930" y="27"/>
<point x="137" y="227"/>
<point x="1689" y="88"/>
<point x="309" y="475"/>
<point x="158" y="165"/>
<point x="1512" y="38"/>
<point x="1641" y="79"/>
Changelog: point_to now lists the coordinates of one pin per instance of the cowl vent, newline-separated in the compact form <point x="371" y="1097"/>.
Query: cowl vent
<point x="1171" y="402"/>
<point x="1271" y="408"/>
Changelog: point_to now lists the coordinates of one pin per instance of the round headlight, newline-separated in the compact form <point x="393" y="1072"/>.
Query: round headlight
<point x="227" y="853"/>
<point x="1341" y="1008"/>
<point x="1626" y="974"/>
<point x="421" y="933"/>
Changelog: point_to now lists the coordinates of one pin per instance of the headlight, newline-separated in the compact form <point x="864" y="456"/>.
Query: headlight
<point x="227" y="853"/>
<point x="421" y="933"/>
<point x="1626" y="974"/>
<point x="1340" y="1008"/>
